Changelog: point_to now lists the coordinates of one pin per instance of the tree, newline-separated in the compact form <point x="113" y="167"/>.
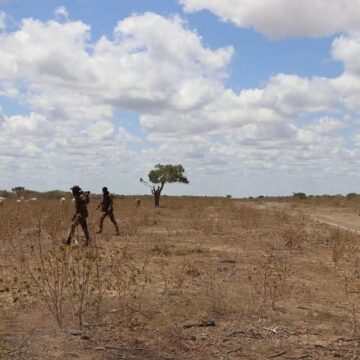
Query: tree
<point x="18" y="190"/>
<point x="299" y="195"/>
<point x="161" y="175"/>
<point x="352" y="195"/>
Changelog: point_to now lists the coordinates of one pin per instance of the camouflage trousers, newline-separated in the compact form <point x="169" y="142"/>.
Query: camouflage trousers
<point x="78" y="219"/>
<point x="110" y="214"/>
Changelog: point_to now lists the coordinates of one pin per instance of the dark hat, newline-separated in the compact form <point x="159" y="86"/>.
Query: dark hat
<point x="76" y="187"/>
<point x="105" y="189"/>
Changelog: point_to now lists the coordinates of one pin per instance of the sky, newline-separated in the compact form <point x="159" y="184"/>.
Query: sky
<point x="252" y="97"/>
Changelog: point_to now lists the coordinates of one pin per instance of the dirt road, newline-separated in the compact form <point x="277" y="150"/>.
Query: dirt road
<point x="346" y="222"/>
<point x="340" y="218"/>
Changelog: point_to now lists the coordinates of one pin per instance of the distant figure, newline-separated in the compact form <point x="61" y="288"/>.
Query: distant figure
<point x="138" y="202"/>
<point x="62" y="200"/>
<point x="81" y="213"/>
<point x="106" y="205"/>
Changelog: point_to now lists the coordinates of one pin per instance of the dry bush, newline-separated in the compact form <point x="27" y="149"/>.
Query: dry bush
<point x="84" y="281"/>
<point x="56" y="275"/>
<point x="191" y="270"/>
<point x="126" y="277"/>
<point x="271" y="282"/>
<point x="170" y="282"/>
<point x="340" y="242"/>
<point x="352" y="293"/>
<point x="165" y="249"/>
<point x="3" y="349"/>
<point x="218" y="297"/>
<point x="131" y="223"/>
<point x="293" y="234"/>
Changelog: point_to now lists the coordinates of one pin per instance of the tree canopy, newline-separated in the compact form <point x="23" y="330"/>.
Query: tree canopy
<point x="18" y="189"/>
<point x="167" y="174"/>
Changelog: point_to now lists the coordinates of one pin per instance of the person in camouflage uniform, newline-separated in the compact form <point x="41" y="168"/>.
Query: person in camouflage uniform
<point x="106" y="205"/>
<point x="81" y="213"/>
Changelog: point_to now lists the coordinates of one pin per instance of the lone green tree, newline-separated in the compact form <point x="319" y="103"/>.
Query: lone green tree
<point x="18" y="190"/>
<point x="161" y="175"/>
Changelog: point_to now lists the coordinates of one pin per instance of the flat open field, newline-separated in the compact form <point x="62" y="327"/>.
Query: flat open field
<point x="198" y="278"/>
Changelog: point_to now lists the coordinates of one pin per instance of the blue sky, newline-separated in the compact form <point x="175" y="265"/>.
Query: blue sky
<point x="231" y="90"/>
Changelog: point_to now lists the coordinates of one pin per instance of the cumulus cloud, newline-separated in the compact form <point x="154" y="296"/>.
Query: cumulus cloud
<point x="346" y="48"/>
<point x="280" y="127"/>
<point x="283" y="18"/>
<point x="73" y="87"/>
<point x="140" y="69"/>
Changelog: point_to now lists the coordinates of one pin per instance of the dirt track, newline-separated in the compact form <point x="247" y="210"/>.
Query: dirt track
<point x="340" y="221"/>
<point x="343" y="220"/>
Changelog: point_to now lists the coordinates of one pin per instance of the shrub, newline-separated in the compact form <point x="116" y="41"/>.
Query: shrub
<point x="299" y="195"/>
<point x="352" y="196"/>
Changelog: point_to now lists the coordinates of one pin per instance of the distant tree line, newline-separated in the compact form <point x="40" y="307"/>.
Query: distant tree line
<point x="20" y="191"/>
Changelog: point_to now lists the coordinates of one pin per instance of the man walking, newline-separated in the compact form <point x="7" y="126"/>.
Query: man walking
<point x="106" y="205"/>
<point x="81" y="213"/>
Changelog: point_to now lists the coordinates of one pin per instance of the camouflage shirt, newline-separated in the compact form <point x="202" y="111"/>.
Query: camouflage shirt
<point x="80" y="205"/>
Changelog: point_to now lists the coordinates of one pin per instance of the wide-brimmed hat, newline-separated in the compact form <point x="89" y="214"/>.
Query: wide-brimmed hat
<point x="75" y="187"/>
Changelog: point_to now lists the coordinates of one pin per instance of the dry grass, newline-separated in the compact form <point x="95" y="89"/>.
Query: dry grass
<point x="265" y="275"/>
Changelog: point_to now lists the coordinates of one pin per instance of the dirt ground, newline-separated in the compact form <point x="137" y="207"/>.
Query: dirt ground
<point x="198" y="278"/>
<point x="335" y="214"/>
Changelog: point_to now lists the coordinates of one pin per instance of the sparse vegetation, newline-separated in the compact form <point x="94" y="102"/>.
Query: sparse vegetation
<point x="260" y="269"/>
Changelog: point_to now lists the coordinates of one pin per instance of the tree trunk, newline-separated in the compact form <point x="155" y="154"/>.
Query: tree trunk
<point x="157" y="200"/>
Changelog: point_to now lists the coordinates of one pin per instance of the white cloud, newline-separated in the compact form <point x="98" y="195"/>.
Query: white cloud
<point x="3" y="19"/>
<point x="282" y="18"/>
<point x="139" y="70"/>
<point x="73" y="87"/>
<point x="346" y="48"/>
<point x="284" y="98"/>
<point x="61" y="11"/>
<point x="126" y="137"/>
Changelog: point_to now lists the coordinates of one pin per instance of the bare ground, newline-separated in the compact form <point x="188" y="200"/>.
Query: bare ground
<point x="278" y="282"/>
